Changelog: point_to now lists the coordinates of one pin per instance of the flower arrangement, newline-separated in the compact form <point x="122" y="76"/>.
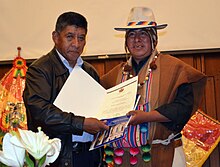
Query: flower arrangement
<point x="18" y="146"/>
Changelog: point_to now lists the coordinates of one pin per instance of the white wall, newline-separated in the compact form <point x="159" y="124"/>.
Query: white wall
<point x="29" y="24"/>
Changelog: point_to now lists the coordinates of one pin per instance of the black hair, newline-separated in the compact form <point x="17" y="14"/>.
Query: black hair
<point x="70" y="19"/>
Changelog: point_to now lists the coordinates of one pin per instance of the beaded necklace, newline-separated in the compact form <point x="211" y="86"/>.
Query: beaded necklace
<point x="127" y="71"/>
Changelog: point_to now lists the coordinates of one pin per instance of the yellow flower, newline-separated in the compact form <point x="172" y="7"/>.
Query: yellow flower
<point x="11" y="155"/>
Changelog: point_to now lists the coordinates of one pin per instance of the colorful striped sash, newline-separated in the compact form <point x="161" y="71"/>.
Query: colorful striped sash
<point x="134" y="137"/>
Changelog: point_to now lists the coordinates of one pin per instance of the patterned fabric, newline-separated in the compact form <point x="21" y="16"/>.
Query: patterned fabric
<point x="142" y="23"/>
<point x="12" y="109"/>
<point x="134" y="137"/>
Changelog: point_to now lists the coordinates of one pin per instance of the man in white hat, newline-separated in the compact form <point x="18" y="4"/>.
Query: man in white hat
<point x="170" y="91"/>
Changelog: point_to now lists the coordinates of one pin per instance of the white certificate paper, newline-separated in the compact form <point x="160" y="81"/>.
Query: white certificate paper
<point x="83" y="96"/>
<point x="119" y="99"/>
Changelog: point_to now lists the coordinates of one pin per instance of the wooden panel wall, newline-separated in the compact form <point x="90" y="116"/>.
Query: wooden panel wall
<point x="209" y="63"/>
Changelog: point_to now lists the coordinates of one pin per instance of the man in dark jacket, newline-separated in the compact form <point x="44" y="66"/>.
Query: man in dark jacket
<point x="44" y="80"/>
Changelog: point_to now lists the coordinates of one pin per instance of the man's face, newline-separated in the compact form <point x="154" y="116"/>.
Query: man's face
<point x="139" y="44"/>
<point x="70" y="42"/>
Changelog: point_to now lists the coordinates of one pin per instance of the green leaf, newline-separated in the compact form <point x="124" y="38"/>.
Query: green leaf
<point x="41" y="161"/>
<point x="1" y="139"/>
<point x="2" y="165"/>
<point x="28" y="161"/>
<point x="2" y="133"/>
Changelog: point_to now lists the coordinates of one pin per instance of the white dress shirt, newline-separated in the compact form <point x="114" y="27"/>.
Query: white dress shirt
<point x="86" y="137"/>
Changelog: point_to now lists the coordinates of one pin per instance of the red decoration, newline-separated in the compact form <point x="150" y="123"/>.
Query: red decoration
<point x="12" y="109"/>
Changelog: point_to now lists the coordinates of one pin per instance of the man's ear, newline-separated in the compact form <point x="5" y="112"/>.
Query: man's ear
<point x="55" y="36"/>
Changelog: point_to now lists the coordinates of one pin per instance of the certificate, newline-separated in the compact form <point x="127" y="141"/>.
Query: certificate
<point x="119" y="100"/>
<point x="83" y="96"/>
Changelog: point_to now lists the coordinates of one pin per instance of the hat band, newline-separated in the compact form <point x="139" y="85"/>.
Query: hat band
<point x="152" y="23"/>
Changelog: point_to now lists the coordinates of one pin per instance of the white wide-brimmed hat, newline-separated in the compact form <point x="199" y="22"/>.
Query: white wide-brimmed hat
<point x="141" y="17"/>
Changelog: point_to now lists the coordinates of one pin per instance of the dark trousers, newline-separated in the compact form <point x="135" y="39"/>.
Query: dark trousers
<point x="88" y="159"/>
<point x="84" y="158"/>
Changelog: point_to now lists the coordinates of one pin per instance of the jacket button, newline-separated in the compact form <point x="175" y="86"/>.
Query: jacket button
<point x="66" y="164"/>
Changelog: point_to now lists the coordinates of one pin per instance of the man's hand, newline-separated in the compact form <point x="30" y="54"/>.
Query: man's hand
<point x="139" y="116"/>
<point x="93" y="125"/>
